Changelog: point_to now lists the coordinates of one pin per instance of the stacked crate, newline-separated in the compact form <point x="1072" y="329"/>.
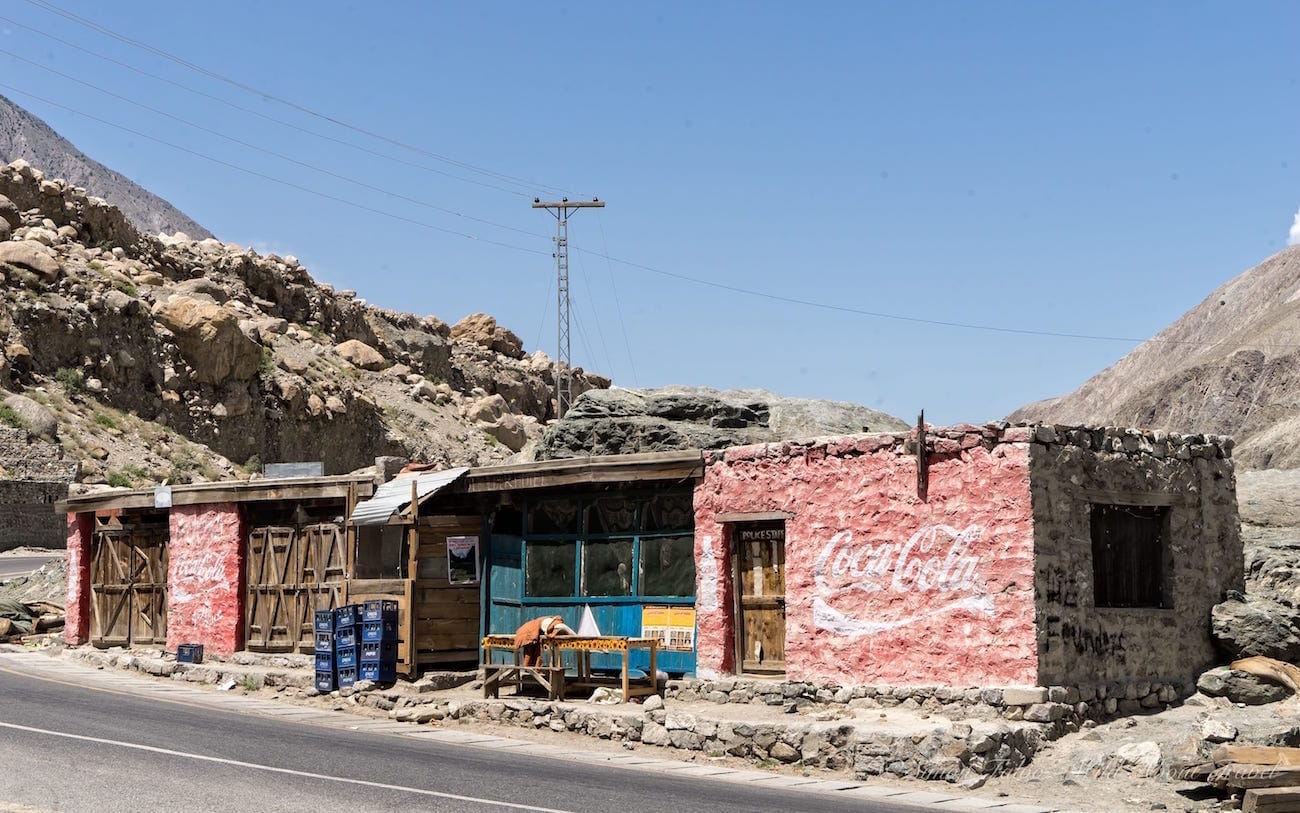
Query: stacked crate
<point x="379" y="641"/>
<point x="347" y="620"/>
<point x="326" y="674"/>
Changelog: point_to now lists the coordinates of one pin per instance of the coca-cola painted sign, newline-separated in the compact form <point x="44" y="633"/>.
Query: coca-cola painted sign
<point x="936" y="571"/>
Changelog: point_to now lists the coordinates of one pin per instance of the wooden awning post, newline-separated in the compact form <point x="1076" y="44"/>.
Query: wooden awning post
<point x="922" y="473"/>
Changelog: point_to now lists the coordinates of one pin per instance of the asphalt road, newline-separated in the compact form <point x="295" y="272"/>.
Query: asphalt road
<point x="11" y="566"/>
<point x="73" y="748"/>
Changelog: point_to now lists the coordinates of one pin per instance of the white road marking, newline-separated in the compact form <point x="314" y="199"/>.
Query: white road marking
<point x="291" y="772"/>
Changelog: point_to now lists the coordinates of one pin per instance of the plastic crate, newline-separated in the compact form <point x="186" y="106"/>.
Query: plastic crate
<point x="347" y="677"/>
<point x="189" y="653"/>
<point x="348" y="615"/>
<point x="377" y="609"/>
<point x="345" y="636"/>
<point x="324" y="661"/>
<point x="324" y="642"/>
<point x="385" y="630"/>
<point x="324" y="620"/>
<point x="378" y="672"/>
<point x="385" y="651"/>
<point x="325" y="681"/>
<point x="345" y="657"/>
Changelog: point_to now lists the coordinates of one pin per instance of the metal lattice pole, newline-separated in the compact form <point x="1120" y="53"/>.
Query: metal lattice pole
<point x="563" y="356"/>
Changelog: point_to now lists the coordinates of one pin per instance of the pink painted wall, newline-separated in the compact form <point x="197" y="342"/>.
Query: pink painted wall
<point x="882" y="587"/>
<point x="205" y="592"/>
<point x="76" y="628"/>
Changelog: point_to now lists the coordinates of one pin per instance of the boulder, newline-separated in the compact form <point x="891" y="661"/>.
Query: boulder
<point x="203" y="287"/>
<point x="1254" y="625"/>
<point x="1240" y="687"/>
<point x="10" y="213"/>
<point x="488" y="409"/>
<point x="604" y="422"/>
<point x="510" y="431"/>
<point x="209" y="338"/>
<point x="31" y="255"/>
<point x="483" y="330"/>
<point x="360" y="354"/>
<point x="35" y="417"/>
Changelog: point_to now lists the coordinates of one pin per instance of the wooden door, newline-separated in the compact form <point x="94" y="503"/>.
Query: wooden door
<point x="291" y="573"/>
<point x="760" y="596"/>
<point x="128" y="568"/>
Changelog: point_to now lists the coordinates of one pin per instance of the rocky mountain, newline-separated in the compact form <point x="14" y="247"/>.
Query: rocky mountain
<point x="622" y="421"/>
<point x="1231" y="365"/>
<point x="24" y="136"/>
<point x="166" y="358"/>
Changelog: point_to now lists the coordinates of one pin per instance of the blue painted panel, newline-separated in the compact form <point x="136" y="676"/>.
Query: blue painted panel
<point x="504" y="585"/>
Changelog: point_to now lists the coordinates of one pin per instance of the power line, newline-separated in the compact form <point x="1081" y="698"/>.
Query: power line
<point x="50" y="7"/>
<point x="595" y="317"/>
<point x="618" y="306"/>
<point x="288" y="124"/>
<point x="273" y="153"/>
<point x="273" y="179"/>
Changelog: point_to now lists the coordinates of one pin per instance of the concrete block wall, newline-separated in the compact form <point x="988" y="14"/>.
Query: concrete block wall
<point x="27" y="516"/>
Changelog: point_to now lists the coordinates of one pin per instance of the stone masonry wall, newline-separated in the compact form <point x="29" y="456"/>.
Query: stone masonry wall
<point x="33" y="477"/>
<point x="205" y="587"/>
<point x="1073" y="468"/>
<point x="883" y="585"/>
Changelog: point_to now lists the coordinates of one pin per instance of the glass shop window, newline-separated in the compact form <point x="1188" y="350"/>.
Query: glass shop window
<point x="607" y="568"/>
<point x="669" y="512"/>
<point x="1129" y="548"/>
<point x="668" y="566"/>
<point x="611" y="515"/>
<point x="550" y="568"/>
<point x="381" y="552"/>
<point x="553" y="517"/>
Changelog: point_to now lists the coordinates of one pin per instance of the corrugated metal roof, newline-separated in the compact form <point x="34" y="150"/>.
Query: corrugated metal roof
<point x="395" y="495"/>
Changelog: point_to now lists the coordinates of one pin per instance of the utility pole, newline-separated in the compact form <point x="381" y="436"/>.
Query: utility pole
<point x="563" y="359"/>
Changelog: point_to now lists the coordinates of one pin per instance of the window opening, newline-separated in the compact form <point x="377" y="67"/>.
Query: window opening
<point x="1128" y="555"/>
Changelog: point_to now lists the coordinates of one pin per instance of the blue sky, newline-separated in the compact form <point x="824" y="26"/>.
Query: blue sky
<point x="1086" y="169"/>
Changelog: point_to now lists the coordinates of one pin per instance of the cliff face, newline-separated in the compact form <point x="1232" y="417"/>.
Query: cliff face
<point x="24" y="136"/>
<point x="1231" y="365"/>
<point x="169" y="358"/>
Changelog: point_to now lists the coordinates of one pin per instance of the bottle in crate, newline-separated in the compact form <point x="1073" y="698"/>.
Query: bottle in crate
<point x="379" y="671"/>
<point x="345" y="657"/>
<point x="384" y="629"/>
<point x="325" y="642"/>
<point x="325" y="681"/>
<point x="324" y="620"/>
<point x="378" y="609"/>
<point x="347" y="676"/>
<point x="349" y="615"/>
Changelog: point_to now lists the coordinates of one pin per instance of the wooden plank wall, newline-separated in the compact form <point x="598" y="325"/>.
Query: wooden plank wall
<point x="399" y="590"/>
<point x="446" y="617"/>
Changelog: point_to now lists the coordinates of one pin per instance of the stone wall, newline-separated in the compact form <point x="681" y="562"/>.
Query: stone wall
<point x="78" y="528"/>
<point x="883" y="584"/>
<point x="1073" y="468"/>
<point x="33" y="478"/>
<point x="205" y="577"/>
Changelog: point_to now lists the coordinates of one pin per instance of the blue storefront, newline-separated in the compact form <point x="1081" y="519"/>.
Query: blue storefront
<point x="609" y="534"/>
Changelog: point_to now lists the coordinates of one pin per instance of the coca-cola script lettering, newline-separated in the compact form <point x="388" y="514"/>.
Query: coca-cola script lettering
<point x="935" y="571"/>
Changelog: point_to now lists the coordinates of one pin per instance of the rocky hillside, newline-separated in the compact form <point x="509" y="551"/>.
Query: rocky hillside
<point x="153" y="359"/>
<point x="621" y="421"/>
<point x="24" y="136"/>
<point x="1231" y="365"/>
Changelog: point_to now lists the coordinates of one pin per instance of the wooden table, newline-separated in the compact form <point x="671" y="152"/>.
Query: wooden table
<point x="513" y="673"/>
<point x="550" y="674"/>
<point x="582" y="646"/>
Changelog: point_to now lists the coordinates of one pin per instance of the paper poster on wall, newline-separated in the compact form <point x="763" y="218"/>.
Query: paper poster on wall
<point x="674" y="627"/>
<point x="462" y="559"/>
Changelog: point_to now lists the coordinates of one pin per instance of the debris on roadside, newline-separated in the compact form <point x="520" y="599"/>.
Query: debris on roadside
<point x="18" y="620"/>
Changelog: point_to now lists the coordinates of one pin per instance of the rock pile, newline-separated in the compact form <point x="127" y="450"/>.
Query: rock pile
<point x="170" y="358"/>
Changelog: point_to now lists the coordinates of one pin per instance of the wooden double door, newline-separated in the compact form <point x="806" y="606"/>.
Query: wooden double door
<point x="291" y="573"/>
<point x="128" y="575"/>
<point x="760" y="596"/>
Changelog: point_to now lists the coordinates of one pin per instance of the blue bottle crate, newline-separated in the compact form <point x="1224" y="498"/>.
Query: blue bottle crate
<point x="347" y="676"/>
<point x="345" y="657"/>
<point x="377" y="609"/>
<point x="325" y="681"/>
<point x="189" y="653"/>
<point x="324" y="661"/>
<point x="379" y="672"/>
<point x="345" y="636"/>
<point x="324" y="620"/>
<point x="383" y="630"/>
<point x="385" y="651"/>
<point x="348" y="615"/>
<point x="324" y="642"/>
